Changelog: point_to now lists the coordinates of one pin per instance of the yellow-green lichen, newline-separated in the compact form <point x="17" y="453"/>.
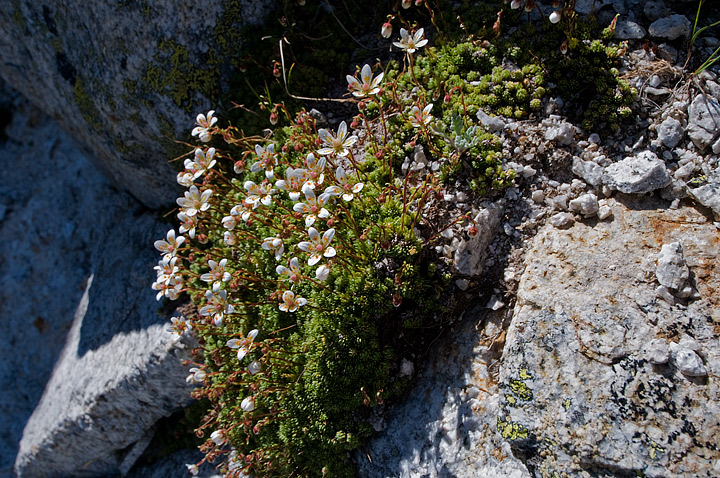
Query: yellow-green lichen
<point x="524" y="374"/>
<point x="511" y="430"/>
<point x="520" y="390"/>
<point x="567" y="403"/>
<point x="655" y="449"/>
<point x="86" y="105"/>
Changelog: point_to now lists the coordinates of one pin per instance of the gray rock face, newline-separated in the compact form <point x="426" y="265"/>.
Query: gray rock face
<point x="670" y="132"/>
<point x="76" y="257"/>
<point x="448" y="429"/>
<point x="629" y="30"/>
<point x="122" y="77"/>
<point x="587" y="385"/>
<point x="703" y="121"/>
<point x="469" y="257"/>
<point x="671" y="269"/>
<point x="591" y="172"/>
<point x="672" y="27"/>
<point x="709" y="193"/>
<point x="637" y="174"/>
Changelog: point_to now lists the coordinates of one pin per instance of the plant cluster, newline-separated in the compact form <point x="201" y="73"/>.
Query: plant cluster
<point x="306" y="253"/>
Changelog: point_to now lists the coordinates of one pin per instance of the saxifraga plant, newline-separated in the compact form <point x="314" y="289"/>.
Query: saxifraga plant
<point x="306" y="254"/>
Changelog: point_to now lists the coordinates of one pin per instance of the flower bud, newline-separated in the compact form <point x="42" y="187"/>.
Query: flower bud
<point x="248" y="404"/>
<point x="386" y="30"/>
<point x="273" y="118"/>
<point x="554" y="17"/>
<point x="406" y="4"/>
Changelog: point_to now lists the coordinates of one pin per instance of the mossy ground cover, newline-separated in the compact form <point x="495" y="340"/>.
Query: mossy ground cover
<point x="307" y="256"/>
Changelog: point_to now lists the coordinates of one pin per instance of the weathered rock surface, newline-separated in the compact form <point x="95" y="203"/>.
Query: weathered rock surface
<point x="671" y="27"/>
<point x="122" y="77"/>
<point x="709" y="193"/>
<point x="75" y="247"/>
<point x="637" y="174"/>
<point x="597" y="378"/>
<point x="704" y="121"/>
<point x="447" y="427"/>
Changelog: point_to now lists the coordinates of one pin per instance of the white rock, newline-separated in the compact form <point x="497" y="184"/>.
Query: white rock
<point x="672" y="272"/>
<point x="637" y="174"/>
<point x="670" y="132"/>
<point x="587" y="205"/>
<point x="688" y="362"/>
<point x="604" y="212"/>
<point x="590" y="171"/>
<point x="538" y="196"/>
<point x="564" y="133"/>
<point x="562" y="220"/>
<point x="703" y="121"/>
<point x="657" y="351"/>
<point x="495" y="303"/>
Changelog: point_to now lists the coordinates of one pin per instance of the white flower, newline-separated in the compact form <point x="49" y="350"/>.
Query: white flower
<point x="336" y="144"/>
<point x="347" y="190"/>
<point x="555" y="17"/>
<point x="185" y="179"/>
<point x="242" y="211"/>
<point x="367" y="84"/>
<point x="290" y="302"/>
<point x="386" y="30"/>
<point x="248" y="404"/>
<point x="254" y="367"/>
<point x="313" y="207"/>
<point x="193" y="469"/>
<point x="170" y="288"/>
<point x="195" y="201"/>
<point x="515" y="4"/>
<point x="196" y="376"/>
<point x="406" y="4"/>
<point x="293" y="183"/>
<point x="322" y="272"/>
<point x="244" y="345"/>
<point x="318" y="246"/>
<point x="229" y="238"/>
<point x="189" y="223"/>
<point x="411" y="43"/>
<point x="219" y="437"/>
<point x="314" y="173"/>
<point x="217" y="274"/>
<point x="217" y="306"/>
<point x="166" y="269"/>
<point x="180" y="325"/>
<point x="419" y="118"/>
<point x="171" y="245"/>
<point x="293" y="273"/>
<point x="258" y="193"/>
<point x="203" y="162"/>
<point x="267" y="160"/>
<point x="204" y="123"/>
<point x="274" y="244"/>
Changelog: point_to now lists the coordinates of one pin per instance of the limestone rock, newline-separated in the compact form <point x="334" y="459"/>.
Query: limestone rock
<point x="629" y="30"/>
<point x="591" y="172"/>
<point x="75" y="247"/>
<point x="671" y="269"/>
<point x="672" y="27"/>
<point x="709" y="193"/>
<point x="703" y="121"/>
<point x="637" y="174"/>
<point x="670" y="132"/>
<point x="581" y="396"/>
<point x="449" y="427"/>
<point x="586" y="204"/>
<point x="122" y="77"/>
<point x="469" y="257"/>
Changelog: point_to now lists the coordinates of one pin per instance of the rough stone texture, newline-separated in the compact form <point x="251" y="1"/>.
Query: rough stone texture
<point x="586" y="390"/>
<point x="470" y="255"/>
<point x="703" y="121"/>
<point x="637" y="174"/>
<point x="709" y="194"/>
<point x="448" y="426"/>
<point x="591" y="172"/>
<point x="61" y="223"/>
<point x="122" y="77"/>
<point x="672" y="27"/>
<point x="670" y="132"/>
<point x="672" y="272"/>
<point x="629" y="30"/>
